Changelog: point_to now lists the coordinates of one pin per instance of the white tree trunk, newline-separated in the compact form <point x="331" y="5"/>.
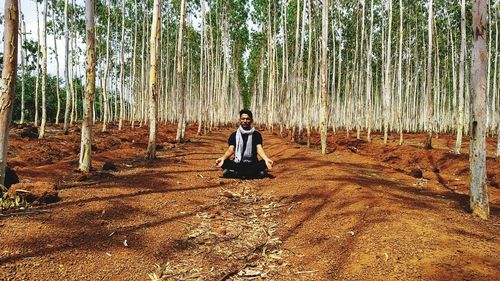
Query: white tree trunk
<point x="41" y="131"/>
<point x="428" y="88"/>
<point x="180" y="79"/>
<point x="324" y="84"/>
<point x="461" y="82"/>
<point x="86" y="139"/>
<point x="153" y="78"/>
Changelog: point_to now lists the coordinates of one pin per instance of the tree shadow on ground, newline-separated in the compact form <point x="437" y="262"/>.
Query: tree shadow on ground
<point x="88" y="230"/>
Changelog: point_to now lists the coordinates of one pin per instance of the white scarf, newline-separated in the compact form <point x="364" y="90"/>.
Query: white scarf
<point x="238" y="154"/>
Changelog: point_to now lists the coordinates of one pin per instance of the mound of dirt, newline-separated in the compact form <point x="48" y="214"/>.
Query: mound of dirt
<point x="109" y="166"/>
<point x="416" y="173"/>
<point x="10" y="177"/>
<point x="29" y="132"/>
<point x="36" y="193"/>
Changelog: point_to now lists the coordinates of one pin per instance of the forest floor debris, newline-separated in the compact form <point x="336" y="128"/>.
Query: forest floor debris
<point x="235" y="240"/>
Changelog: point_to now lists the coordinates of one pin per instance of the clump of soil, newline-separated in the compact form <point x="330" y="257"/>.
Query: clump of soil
<point x="35" y="193"/>
<point x="10" y="177"/>
<point x="109" y="166"/>
<point x="416" y="173"/>
<point x="29" y="132"/>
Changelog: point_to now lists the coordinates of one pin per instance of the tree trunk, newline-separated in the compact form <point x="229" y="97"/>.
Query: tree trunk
<point x="9" y="74"/>
<point x="179" y="74"/>
<point x="122" y="69"/>
<point x="461" y="68"/>
<point x="41" y="132"/>
<point x="23" y="64"/>
<point x="56" y="54"/>
<point x="153" y="78"/>
<point x="369" y="79"/>
<point x="428" y="88"/>
<point x="324" y="84"/>
<point x="86" y="140"/>
<point x="37" y="68"/>
<point x="400" y="70"/>
<point x="66" y="69"/>
<point x="106" y="73"/>
<point x="201" y="77"/>
<point x="478" y="188"/>
<point x="387" y="75"/>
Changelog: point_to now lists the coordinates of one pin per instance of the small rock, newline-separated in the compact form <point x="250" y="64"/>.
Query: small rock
<point x="215" y="212"/>
<point x="10" y="177"/>
<point x="416" y="173"/>
<point x="29" y="132"/>
<point x="83" y="177"/>
<point x="220" y="230"/>
<point x="228" y="194"/>
<point x="108" y="166"/>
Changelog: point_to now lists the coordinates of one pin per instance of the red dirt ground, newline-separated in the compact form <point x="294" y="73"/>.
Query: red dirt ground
<point x="353" y="214"/>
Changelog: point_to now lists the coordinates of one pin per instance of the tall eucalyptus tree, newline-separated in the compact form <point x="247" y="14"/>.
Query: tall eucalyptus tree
<point x="9" y="74"/>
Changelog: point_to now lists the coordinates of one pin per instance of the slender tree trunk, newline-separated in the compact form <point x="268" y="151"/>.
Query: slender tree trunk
<point x="324" y="84"/>
<point x="23" y="63"/>
<point x="201" y="77"/>
<point x="309" y="74"/>
<point x="179" y="74"/>
<point x="387" y="79"/>
<point x="66" y="69"/>
<point x="86" y="141"/>
<point x="400" y="77"/>
<point x="497" y="80"/>
<point x="461" y="68"/>
<point x="478" y="188"/>
<point x="122" y="69"/>
<point x="153" y="78"/>
<point x="41" y="132"/>
<point x="9" y="74"/>
<point x="106" y="73"/>
<point x="56" y="54"/>
<point x="369" y="79"/>
<point x="428" y="88"/>
<point x="133" y="99"/>
<point x="37" y="68"/>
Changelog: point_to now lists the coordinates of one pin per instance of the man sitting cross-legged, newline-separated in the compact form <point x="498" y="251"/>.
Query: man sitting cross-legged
<point x="246" y="144"/>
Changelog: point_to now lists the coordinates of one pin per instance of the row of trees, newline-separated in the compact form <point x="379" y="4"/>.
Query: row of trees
<point x="296" y="67"/>
<point x="415" y="81"/>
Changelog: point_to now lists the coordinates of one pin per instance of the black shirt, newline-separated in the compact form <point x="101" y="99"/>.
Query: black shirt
<point x="256" y="139"/>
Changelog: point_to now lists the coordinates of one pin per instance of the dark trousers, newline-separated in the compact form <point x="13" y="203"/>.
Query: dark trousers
<point x="249" y="169"/>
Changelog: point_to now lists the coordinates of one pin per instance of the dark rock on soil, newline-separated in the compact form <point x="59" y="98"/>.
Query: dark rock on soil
<point x="10" y="177"/>
<point x="29" y="132"/>
<point x="108" y="166"/>
<point x="416" y="173"/>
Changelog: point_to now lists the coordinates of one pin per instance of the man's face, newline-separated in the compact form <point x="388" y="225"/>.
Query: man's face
<point x="245" y="120"/>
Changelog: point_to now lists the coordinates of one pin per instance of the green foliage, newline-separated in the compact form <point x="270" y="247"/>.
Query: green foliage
<point x="29" y="98"/>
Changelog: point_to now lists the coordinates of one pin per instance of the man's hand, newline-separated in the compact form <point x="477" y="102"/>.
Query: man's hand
<point x="219" y="162"/>
<point x="269" y="163"/>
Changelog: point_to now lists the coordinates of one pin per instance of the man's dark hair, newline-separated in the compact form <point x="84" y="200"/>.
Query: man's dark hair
<point x="246" y="111"/>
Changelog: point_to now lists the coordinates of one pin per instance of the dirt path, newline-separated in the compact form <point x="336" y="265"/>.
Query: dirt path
<point x="343" y="216"/>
